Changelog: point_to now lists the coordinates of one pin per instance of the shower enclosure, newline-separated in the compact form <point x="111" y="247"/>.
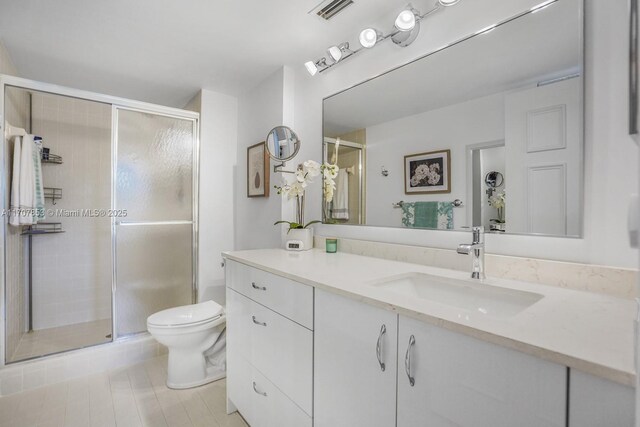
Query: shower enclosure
<point x="119" y="238"/>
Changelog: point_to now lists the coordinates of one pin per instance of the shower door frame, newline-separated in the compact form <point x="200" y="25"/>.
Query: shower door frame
<point x="362" y="171"/>
<point x="115" y="222"/>
<point x="115" y="102"/>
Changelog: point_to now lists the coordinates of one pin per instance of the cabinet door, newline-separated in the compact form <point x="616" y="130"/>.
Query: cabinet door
<point x="353" y="341"/>
<point x="461" y="381"/>
<point x="595" y="402"/>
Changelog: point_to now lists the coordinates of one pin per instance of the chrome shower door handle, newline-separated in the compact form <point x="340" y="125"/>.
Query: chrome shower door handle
<point x="260" y="288"/>
<point x="258" y="322"/>
<point x="407" y="361"/>
<point x="383" y="330"/>
<point x="261" y="393"/>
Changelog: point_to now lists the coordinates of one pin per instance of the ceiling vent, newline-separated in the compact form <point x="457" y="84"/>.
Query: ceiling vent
<point x="330" y="8"/>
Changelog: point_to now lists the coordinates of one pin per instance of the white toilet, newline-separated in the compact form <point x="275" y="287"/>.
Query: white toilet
<point x="188" y="332"/>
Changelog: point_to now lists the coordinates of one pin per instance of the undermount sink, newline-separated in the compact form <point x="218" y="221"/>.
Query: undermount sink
<point x="488" y="300"/>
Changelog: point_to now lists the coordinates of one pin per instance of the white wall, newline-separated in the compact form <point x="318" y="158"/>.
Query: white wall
<point x="611" y="156"/>
<point x="218" y="151"/>
<point x="453" y="127"/>
<point x="260" y="109"/>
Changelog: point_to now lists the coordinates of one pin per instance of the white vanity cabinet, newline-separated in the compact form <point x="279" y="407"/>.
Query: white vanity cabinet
<point x="596" y="402"/>
<point x="354" y="363"/>
<point x="446" y="379"/>
<point x="269" y="347"/>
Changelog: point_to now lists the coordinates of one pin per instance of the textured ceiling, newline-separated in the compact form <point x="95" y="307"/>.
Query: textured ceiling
<point x="163" y="51"/>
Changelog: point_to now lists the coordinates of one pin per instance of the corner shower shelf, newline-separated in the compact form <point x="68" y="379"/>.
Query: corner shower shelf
<point x="50" y="158"/>
<point x="53" y="159"/>
<point x="53" y="194"/>
<point x="43" y="228"/>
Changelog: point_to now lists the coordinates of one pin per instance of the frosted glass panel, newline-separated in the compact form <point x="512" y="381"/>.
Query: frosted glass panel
<point x="155" y="167"/>
<point x="154" y="272"/>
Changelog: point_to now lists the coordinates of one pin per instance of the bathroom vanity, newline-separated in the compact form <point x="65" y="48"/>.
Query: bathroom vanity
<point x="346" y="340"/>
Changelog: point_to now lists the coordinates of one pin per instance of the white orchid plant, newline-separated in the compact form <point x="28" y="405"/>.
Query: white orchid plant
<point x="499" y="201"/>
<point x="305" y="174"/>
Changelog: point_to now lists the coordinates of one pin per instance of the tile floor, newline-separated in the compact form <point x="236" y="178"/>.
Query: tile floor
<point x="125" y="397"/>
<point x="62" y="338"/>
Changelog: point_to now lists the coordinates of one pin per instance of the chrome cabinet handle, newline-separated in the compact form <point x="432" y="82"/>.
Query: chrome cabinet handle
<point x="261" y="393"/>
<point x="407" y="361"/>
<point x="383" y="330"/>
<point x="257" y="322"/>
<point x="260" y="288"/>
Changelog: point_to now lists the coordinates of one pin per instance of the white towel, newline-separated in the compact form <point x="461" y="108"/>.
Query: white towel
<point x="38" y="193"/>
<point x="27" y="180"/>
<point x="14" y="219"/>
<point x="340" y="208"/>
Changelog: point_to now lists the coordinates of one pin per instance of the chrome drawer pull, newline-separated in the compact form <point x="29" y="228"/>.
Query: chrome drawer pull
<point x="261" y="393"/>
<point x="260" y="288"/>
<point x="383" y="330"/>
<point x="407" y="361"/>
<point x="257" y="322"/>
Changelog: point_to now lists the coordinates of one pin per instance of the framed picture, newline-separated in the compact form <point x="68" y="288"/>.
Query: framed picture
<point x="257" y="171"/>
<point x="427" y="173"/>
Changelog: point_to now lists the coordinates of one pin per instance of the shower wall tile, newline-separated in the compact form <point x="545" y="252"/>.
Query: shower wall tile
<point x="17" y="114"/>
<point x="72" y="271"/>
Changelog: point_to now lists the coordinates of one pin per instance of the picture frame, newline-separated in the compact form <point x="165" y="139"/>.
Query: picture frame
<point x="258" y="170"/>
<point x="427" y="173"/>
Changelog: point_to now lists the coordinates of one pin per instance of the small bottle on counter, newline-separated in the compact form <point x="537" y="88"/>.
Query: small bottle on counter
<point x="331" y="245"/>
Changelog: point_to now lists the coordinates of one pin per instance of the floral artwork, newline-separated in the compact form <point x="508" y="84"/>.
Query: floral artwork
<point x="428" y="173"/>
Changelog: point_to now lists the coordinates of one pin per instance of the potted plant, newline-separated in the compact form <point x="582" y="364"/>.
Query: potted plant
<point x="498" y="201"/>
<point x="305" y="173"/>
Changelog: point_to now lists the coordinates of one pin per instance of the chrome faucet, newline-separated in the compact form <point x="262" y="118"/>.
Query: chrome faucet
<point x="477" y="249"/>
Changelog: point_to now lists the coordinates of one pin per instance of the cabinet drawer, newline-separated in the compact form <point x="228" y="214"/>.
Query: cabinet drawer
<point x="286" y="297"/>
<point x="279" y="348"/>
<point x="260" y="402"/>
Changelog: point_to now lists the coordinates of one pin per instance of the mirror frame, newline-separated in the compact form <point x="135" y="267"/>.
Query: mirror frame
<point x="296" y="148"/>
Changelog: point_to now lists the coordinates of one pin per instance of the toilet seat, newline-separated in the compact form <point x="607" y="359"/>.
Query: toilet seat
<point x="186" y="315"/>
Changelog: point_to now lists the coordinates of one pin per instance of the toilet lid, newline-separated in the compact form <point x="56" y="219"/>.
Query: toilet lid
<point x="186" y="314"/>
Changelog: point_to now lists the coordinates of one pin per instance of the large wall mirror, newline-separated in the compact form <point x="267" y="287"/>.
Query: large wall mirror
<point x="487" y="131"/>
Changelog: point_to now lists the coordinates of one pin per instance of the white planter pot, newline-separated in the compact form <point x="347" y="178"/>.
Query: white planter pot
<point x="299" y="239"/>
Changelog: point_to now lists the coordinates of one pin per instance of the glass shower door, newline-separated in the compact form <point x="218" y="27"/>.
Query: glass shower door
<point x="155" y="243"/>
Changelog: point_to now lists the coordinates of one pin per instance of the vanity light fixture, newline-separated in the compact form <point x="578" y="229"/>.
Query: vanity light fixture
<point x="314" y="67"/>
<point x="338" y="52"/>
<point x="407" y="19"/>
<point x="405" y="31"/>
<point x="369" y="37"/>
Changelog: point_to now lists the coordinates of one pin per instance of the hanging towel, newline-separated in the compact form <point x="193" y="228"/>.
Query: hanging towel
<point x="428" y="215"/>
<point x="27" y="181"/>
<point x="14" y="218"/>
<point x="38" y="183"/>
<point x="340" y="208"/>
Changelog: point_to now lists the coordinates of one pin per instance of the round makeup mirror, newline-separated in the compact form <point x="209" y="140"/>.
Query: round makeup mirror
<point x="282" y="143"/>
<point x="493" y="179"/>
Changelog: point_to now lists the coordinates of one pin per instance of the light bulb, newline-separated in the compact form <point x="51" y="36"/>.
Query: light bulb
<point x="406" y="20"/>
<point x="369" y="37"/>
<point x="311" y="67"/>
<point x="448" y="2"/>
<point x="335" y="53"/>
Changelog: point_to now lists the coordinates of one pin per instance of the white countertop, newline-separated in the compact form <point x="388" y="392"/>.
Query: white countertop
<point x="586" y="331"/>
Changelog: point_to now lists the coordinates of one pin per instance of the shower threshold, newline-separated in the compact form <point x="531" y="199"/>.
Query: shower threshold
<point x="48" y="341"/>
